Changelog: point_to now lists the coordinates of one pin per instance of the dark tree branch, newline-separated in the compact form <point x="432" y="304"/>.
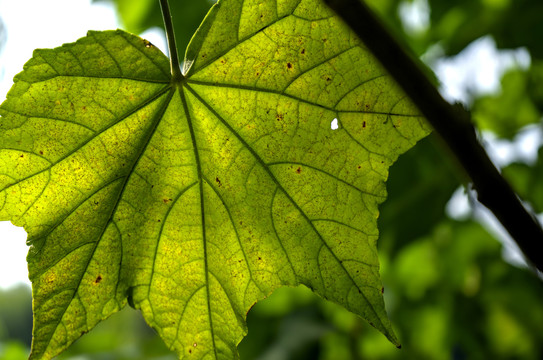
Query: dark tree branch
<point x="453" y="126"/>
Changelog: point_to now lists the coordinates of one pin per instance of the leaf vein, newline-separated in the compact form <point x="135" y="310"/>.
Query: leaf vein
<point x="279" y="186"/>
<point x="159" y="236"/>
<point x="202" y="214"/>
<point x="80" y="146"/>
<point x="112" y="212"/>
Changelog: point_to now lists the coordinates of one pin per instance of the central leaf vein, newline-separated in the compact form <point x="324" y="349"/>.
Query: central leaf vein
<point x="283" y="190"/>
<point x="202" y="212"/>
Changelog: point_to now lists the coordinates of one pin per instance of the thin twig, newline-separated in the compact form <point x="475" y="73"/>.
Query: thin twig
<point x="453" y="126"/>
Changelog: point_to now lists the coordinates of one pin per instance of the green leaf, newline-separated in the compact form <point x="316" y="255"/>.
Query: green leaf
<point x="510" y="110"/>
<point x="193" y="200"/>
<point x="513" y="24"/>
<point x="526" y="180"/>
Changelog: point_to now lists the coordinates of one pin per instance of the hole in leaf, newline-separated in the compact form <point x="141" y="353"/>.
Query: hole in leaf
<point x="334" y="124"/>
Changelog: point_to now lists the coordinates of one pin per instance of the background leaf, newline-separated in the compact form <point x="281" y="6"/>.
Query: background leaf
<point x="527" y="179"/>
<point x="510" y="110"/>
<point x="469" y="20"/>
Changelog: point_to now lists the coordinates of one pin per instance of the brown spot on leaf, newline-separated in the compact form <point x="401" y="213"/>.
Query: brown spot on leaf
<point x="166" y="200"/>
<point x="98" y="279"/>
<point x="382" y="290"/>
<point x="41" y="152"/>
<point x="298" y="170"/>
<point x="279" y="117"/>
<point x="289" y="65"/>
<point x="302" y="52"/>
<point x="218" y="181"/>
<point x="363" y="124"/>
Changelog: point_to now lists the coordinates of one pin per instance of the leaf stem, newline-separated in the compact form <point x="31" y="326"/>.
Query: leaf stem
<point x="170" y="36"/>
<point x="453" y="125"/>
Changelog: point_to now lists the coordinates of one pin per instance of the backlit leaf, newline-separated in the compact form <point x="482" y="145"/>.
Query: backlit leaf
<point x="193" y="200"/>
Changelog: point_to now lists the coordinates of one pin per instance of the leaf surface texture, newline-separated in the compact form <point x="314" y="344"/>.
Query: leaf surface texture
<point x="191" y="201"/>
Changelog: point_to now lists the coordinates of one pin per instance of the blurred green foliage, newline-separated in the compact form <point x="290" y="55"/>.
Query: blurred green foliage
<point x="448" y="291"/>
<point x="527" y="180"/>
<point x="518" y="103"/>
<point x="508" y="111"/>
<point x="16" y="314"/>
<point x="512" y="23"/>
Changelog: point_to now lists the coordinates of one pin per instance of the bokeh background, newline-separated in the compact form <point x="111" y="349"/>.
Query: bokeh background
<point x="455" y="286"/>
